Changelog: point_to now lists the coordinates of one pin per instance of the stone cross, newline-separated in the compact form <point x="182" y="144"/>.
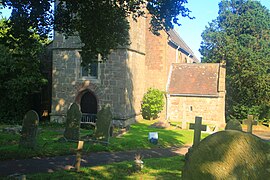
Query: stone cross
<point x="29" y="130"/>
<point x="103" y="124"/>
<point x="198" y="127"/>
<point x="79" y="156"/>
<point x="249" y="122"/>
<point x="73" y="122"/>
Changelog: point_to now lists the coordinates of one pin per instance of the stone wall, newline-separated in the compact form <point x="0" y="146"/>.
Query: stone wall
<point x="184" y="109"/>
<point x="120" y="82"/>
<point x="159" y="56"/>
<point x="211" y="108"/>
<point x="123" y="79"/>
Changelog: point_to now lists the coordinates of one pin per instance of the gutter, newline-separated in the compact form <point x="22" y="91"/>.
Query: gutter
<point x="196" y="95"/>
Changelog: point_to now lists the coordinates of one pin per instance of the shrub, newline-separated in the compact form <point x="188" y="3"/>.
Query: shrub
<point x="152" y="105"/>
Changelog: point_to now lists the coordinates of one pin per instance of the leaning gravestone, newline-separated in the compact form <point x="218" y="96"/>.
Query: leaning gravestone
<point x="29" y="130"/>
<point x="233" y="125"/>
<point x="74" y="115"/>
<point x="103" y="124"/>
<point x="229" y="154"/>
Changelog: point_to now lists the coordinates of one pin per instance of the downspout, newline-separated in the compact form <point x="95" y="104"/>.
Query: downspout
<point x="188" y="58"/>
<point x="167" y="93"/>
<point x="176" y="54"/>
<point x="167" y="106"/>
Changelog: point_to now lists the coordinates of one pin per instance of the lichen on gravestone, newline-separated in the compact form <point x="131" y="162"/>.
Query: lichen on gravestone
<point x="228" y="154"/>
<point x="72" y="130"/>
<point x="29" y="130"/>
<point x="233" y="125"/>
<point x="104" y="119"/>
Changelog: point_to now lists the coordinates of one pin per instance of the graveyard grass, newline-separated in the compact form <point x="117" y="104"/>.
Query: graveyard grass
<point x="155" y="168"/>
<point x="48" y="143"/>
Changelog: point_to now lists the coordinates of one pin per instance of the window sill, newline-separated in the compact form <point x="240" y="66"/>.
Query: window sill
<point x="91" y="79"/>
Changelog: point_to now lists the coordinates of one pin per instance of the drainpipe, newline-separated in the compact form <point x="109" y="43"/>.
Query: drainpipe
<point x="167" y="106"/>
<point x="167" y="93"/>
<point x="176" y="54"/>
<point x="188" y="57"/>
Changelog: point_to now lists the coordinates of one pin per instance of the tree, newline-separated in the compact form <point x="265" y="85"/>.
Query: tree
<point x="240" y="35"/>
<point x="20" y="75"/>
<point x="101" y="25"/>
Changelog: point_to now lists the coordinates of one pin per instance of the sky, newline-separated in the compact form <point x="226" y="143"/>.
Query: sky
<point x="190" y="31"/>
<point x="204" y="12"/>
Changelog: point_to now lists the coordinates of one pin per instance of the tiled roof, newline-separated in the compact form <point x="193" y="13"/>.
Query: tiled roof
<point x="176" y="39"/>
<point x="194" y="79"/>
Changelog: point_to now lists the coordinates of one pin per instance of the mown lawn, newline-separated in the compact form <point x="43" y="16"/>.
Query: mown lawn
<point x="49" y="144"/>
<point x="155" y="168"/>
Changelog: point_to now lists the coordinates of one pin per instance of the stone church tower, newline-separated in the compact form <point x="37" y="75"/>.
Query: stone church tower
<point x="122" y="80"/>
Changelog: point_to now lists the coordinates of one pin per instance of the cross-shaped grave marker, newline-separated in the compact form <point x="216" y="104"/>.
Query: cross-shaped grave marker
<point x="249" y="122"/>
<point x="198" y="127"/>
<point x="79" y="156"/>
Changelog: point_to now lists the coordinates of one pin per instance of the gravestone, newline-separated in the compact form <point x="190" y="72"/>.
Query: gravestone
<point x="72" y="130"/>
<point x="233" y="125"/>
<point x="249" y="122"/>
<point x="103" y="124"/>
<point x="228" y="154"/>
<point x="29" y="130"/>
<point x="198" y="127"/>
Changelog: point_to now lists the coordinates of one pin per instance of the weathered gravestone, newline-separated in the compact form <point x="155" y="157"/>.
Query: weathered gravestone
<point x="29" y="130"/>
<point x="72" y="130"/>
<point x="233" y="125"/>
<point x="198" y="127"/>
<point x="103" y="124"/>
<point x="249" y="122"/>
<point x="228" y="154"/>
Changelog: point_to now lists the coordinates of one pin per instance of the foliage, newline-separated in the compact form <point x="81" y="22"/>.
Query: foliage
<point x="240" y="35"/>
<point x="101" y="25"/>
<point x="155" y="168"/>
<point x="20" y="75"/>
<point x="152" y="105"/>
<point x="30" y="14"/>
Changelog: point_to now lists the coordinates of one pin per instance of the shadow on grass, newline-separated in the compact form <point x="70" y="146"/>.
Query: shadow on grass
<point x="135" y="139"/>
<point x="155" y="168"/>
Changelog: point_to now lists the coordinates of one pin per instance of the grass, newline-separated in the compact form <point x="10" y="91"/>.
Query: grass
<point x="49" y="144"/>
<point x="155" y="168"/>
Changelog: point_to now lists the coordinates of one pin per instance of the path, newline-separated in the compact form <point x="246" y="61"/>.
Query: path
<point x="51" y="164"/>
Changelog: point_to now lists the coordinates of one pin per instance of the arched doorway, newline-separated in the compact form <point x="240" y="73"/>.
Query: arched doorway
<point x="89" y="106"/>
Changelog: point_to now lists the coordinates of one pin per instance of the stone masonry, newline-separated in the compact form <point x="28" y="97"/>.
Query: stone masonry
<point x="201" y="92"/>
<point x="122" y="80"/>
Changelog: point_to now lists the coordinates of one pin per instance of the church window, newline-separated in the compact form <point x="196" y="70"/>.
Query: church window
<point x="90" y="70"/>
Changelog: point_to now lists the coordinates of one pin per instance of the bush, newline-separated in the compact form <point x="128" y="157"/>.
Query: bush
<point x="152" y="105"/>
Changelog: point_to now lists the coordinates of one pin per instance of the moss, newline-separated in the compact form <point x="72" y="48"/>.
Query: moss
<point x="228" y="155"/>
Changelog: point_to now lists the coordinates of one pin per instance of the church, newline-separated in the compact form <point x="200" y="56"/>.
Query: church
<point x="150" y="61"/>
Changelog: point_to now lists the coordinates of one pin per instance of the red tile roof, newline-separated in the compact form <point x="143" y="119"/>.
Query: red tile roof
<point x="194" y="79"/>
